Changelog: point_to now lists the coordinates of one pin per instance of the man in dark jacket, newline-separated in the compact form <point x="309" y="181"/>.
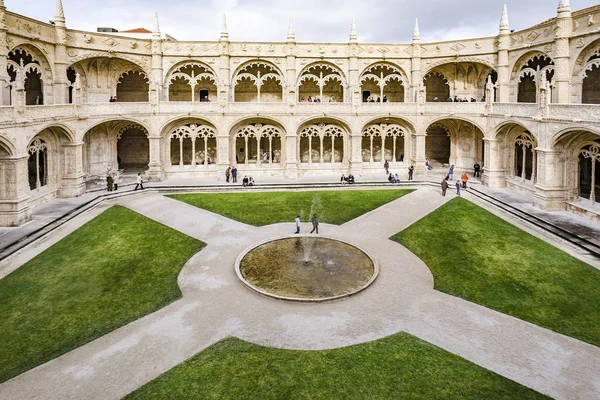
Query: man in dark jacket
<point x="444" y="186"/>
<point x="315" y="224"/>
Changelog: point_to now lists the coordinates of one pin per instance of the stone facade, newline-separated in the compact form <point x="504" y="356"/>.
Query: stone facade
<point x="191" y="109"/>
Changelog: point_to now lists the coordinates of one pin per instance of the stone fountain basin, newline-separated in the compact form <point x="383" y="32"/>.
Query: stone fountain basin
<point x="277" y="268"/>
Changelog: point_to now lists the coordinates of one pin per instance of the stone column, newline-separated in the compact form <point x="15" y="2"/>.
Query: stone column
<point x="418" y="153"/>
<point x="291" y="155"/>
<point x="493" y="174"/>
<point x="355" y="142"/>
<point x="551" y="182"/>
<point x="14" y="191"/>
<point x="72" y="183"/>
<point x="564" y="27"/>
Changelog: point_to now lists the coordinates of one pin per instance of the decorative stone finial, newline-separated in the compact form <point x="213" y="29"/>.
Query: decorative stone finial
<point x="224" y="34"/>
<point x="353" y="36"/>
<point x="59" y="17"/>
<point x="564" y="6"/>
<point x="416" y="33"/>
<point x="156" y="24"/>
<point x="504" y="26"/>
<point x="291" y="35"/>
<point x="2" y="4"/>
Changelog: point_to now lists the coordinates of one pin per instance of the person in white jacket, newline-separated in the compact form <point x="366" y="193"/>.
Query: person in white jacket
<point x="138" y="182"/>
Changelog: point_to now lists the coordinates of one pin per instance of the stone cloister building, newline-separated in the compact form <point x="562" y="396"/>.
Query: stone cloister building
<point x="191" y="109"/>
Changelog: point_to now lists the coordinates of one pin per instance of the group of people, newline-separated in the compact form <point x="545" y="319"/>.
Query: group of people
<point x="113" y="99"/>
<point x="315" y="224"/>
<point x="231" y="174"/>
<point x="111" y="185"/>
<point x="460" y="183"/>
<point x="315" y="99"/>
<point x="457" y="100"/>
<point x="347" y="179"/>
<point x="371" y="99"/>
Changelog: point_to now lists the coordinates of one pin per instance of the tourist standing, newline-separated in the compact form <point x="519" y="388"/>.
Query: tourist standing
<point x="234" y="174"/>
<point x="464" y="178"/>
<point x="109" y="183"/>
<point x="138" y="182"/>
<point x="297" y="224"/>
<point x="458" y="188"/>
<point x="444" y="186"/>
<point x="476" y="169"/>
<point x="227" y="173"/>
<point x="386" y="166"/>
<point x="411" y="170"/>
<point x="343" y="179"/>
<point x="451" y="172"/>
<point x="315" y="224"/>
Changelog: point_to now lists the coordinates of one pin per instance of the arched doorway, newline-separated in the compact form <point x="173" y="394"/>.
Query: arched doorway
<point x="454" y="141"/>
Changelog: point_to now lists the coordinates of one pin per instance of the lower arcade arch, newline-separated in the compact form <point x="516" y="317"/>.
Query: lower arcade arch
<point x="113" y="146"/>
<point x="192" y="144"/>
<point x="257" y="142"/>
<point x="454" y="141"/>
<point x="47" y="162"/>
<point x="322" y="142"/>
<point x="580" y="151"/>
<point x="384" y="140"/>
<point x="517" y="153"/>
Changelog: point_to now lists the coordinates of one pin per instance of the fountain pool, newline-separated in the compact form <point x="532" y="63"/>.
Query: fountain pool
<point x="306" y="268"/>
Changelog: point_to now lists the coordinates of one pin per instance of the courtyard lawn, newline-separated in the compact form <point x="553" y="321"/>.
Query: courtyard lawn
<point x="483" y="259"/>
<point x="397" y="367"/>
<point x="113" y="270"/>
<point x="258" y="209"/>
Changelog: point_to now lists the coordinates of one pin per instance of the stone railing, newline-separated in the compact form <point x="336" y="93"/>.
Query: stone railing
<point x="558" y="112"/>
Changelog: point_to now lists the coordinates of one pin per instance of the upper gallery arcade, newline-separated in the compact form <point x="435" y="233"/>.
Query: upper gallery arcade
<point x="289" y="108"/>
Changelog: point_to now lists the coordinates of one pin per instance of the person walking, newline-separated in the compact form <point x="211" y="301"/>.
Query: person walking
<point x="411" y="170"/>
<point x="386" y="166"/>
<point x="234" y="174"/>
<point x="428" y="164"/>
<point x="109" y="183"/>
<point x="444" y="186"/>
<point x="315" y="224"/>
<point x="138" y="182"/>
<point x="464" y="178"/>
<point x="476" y="169"/>
<point x="451" y="172"/>
<point x="458" y="188"/>
<point x="227" y="173"/>
<point x="297" y="224"/>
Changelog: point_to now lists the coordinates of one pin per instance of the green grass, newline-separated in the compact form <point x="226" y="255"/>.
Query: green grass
<point x="483" y="259"/>
<point x="397" y="367"/>
<point x="113" y="270"/>
<point x="258" y="209"/>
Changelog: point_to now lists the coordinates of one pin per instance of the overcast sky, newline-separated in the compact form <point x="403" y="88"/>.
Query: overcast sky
<point x="388" y="21"/>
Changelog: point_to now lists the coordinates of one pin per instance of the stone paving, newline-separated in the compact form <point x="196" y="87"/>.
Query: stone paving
<point x="216" y="304"/>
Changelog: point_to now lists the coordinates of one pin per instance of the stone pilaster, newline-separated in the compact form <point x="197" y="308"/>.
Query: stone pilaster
<point x="292" y="95"/>
<point x="355" y="147"/>
<point x="155" y="142"/>
<point x="291" y="155"/>
<point x="418" y="153"/>
<point x="72" y="183"/>
<point x="14" y="191"/>
<point x="564" y="28"/>
<point x="551" y="188"/>
<point x="493" y="174"/>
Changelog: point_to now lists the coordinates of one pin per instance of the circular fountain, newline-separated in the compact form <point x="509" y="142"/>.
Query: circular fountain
<point x="306" y="268"/>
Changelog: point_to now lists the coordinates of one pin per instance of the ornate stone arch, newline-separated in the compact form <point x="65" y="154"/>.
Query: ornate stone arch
<point x="249" y="75"/>
<point x="47" y="68"/>
<point x="7" y="145"/>
<point x="141" y="63"/>
<point x="321" y="74"/>
<point x="322" y="141"/>
<point x="258" y="140"/>
<point x="194" y="74"/>
<point x="383" y="74"/>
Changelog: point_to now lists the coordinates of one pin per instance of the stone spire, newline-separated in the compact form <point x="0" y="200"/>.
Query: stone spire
<point x="416" y="33"/>
<point x="59" y="17"/>
<point x="291" y="35"/>
<point x="564" y="6"/>
<point x="2" y="3"/>
<point x="156" y="24"/>
<point x="224" y="34"/>
<point x="504" y="26"/>
<point x="353" y="36"/>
